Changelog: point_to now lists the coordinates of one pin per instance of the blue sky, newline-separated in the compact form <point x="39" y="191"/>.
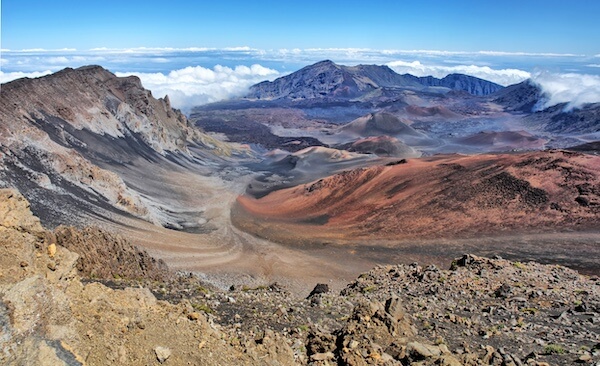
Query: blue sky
<point x="461" y="25"/>
<point x="203" y="51"/>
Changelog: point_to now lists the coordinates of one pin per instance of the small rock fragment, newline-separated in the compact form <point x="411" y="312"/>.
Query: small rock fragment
<point x="420" y="351"/>
<point x="51" y="250"/>
<point x="322" y="356"/>
<point x="162" y="353"/>
<point x="394" y="308"/>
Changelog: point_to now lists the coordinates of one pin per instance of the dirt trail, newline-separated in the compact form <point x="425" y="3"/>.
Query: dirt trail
<point x="225" y="255"/>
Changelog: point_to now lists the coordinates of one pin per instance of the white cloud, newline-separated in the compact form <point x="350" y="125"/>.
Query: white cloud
<point x="533" y="54"/>
<point x="477" y="53"/>
<point x="61" y="60"/>
<point x="9" y="76"/>
<point x="574" y="89"/>
<point x="192" y="86"/>
<point x="160" y="50"/>
<point x="502" y="76"/>
<point x="189" y="86"/>
<point x="40" y="50"/>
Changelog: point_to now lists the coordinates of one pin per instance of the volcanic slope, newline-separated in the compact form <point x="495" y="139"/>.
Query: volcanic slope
<point x="89" y="148"/>
<point x="450" y="196"/>
<point x="384" y="124"/>
<point x="85" y="297"/>
<point x="83" y="144"/>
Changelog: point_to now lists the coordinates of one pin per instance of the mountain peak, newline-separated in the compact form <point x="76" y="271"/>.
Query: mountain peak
<point x="324" y="62"/>
<point x="326" y="79"/>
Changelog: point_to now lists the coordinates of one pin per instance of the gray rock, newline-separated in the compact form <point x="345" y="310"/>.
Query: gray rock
<point x="419" y="351"/>
<point x="322" y="356"/>
<point x="320" y="288"/>
<point x="394" y="308"/>
<point x="162" y="353"/>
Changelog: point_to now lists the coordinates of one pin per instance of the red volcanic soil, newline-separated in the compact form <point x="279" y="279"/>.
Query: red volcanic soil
<point x="449" y="196"/>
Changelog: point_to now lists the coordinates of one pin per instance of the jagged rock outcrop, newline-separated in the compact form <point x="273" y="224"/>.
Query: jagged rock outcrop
<point x="49" y="317"/>
<point x="93" y="99"/>
<point x="106" y="256"/>
<point x="71" y="141"/>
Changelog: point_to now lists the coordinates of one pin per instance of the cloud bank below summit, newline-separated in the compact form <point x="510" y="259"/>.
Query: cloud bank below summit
<point x="192" y="86"/>
<point x="573" y="89"/>
<point x="167" y="71"/>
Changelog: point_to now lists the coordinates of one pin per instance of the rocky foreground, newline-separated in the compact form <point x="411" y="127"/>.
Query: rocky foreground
<point x="75" y="297"/>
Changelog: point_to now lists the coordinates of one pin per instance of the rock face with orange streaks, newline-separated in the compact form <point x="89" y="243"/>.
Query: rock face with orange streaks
<point x="444" y="196"/>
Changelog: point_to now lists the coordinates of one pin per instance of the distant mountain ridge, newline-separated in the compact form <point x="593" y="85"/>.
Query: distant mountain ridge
<point x="470" y="84"/>
<point x="327" y="79"/>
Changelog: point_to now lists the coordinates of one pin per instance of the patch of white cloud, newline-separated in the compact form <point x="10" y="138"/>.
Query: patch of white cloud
<point x="477" y="53"/>
<point x="10" y="76"/>
<point x="573" y="89"/>
<point x="61" y="60"/>
<point x="531" y="54"/>
<point x="192" y="86"/>
<point x="501" y="76"/>
<point x="40" y="50"/>
<point x="165" y="50"/>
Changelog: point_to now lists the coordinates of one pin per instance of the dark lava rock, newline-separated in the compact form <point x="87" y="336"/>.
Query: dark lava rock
<point x="503" y="291"/>
<point x="320" y="288"/>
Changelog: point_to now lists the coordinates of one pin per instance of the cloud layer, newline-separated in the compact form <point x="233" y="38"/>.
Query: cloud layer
<point x="8" y="76"/>
<point x="192" y="86"/>
<point x="573" y="89"/>
<point x="167" y="70"/>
